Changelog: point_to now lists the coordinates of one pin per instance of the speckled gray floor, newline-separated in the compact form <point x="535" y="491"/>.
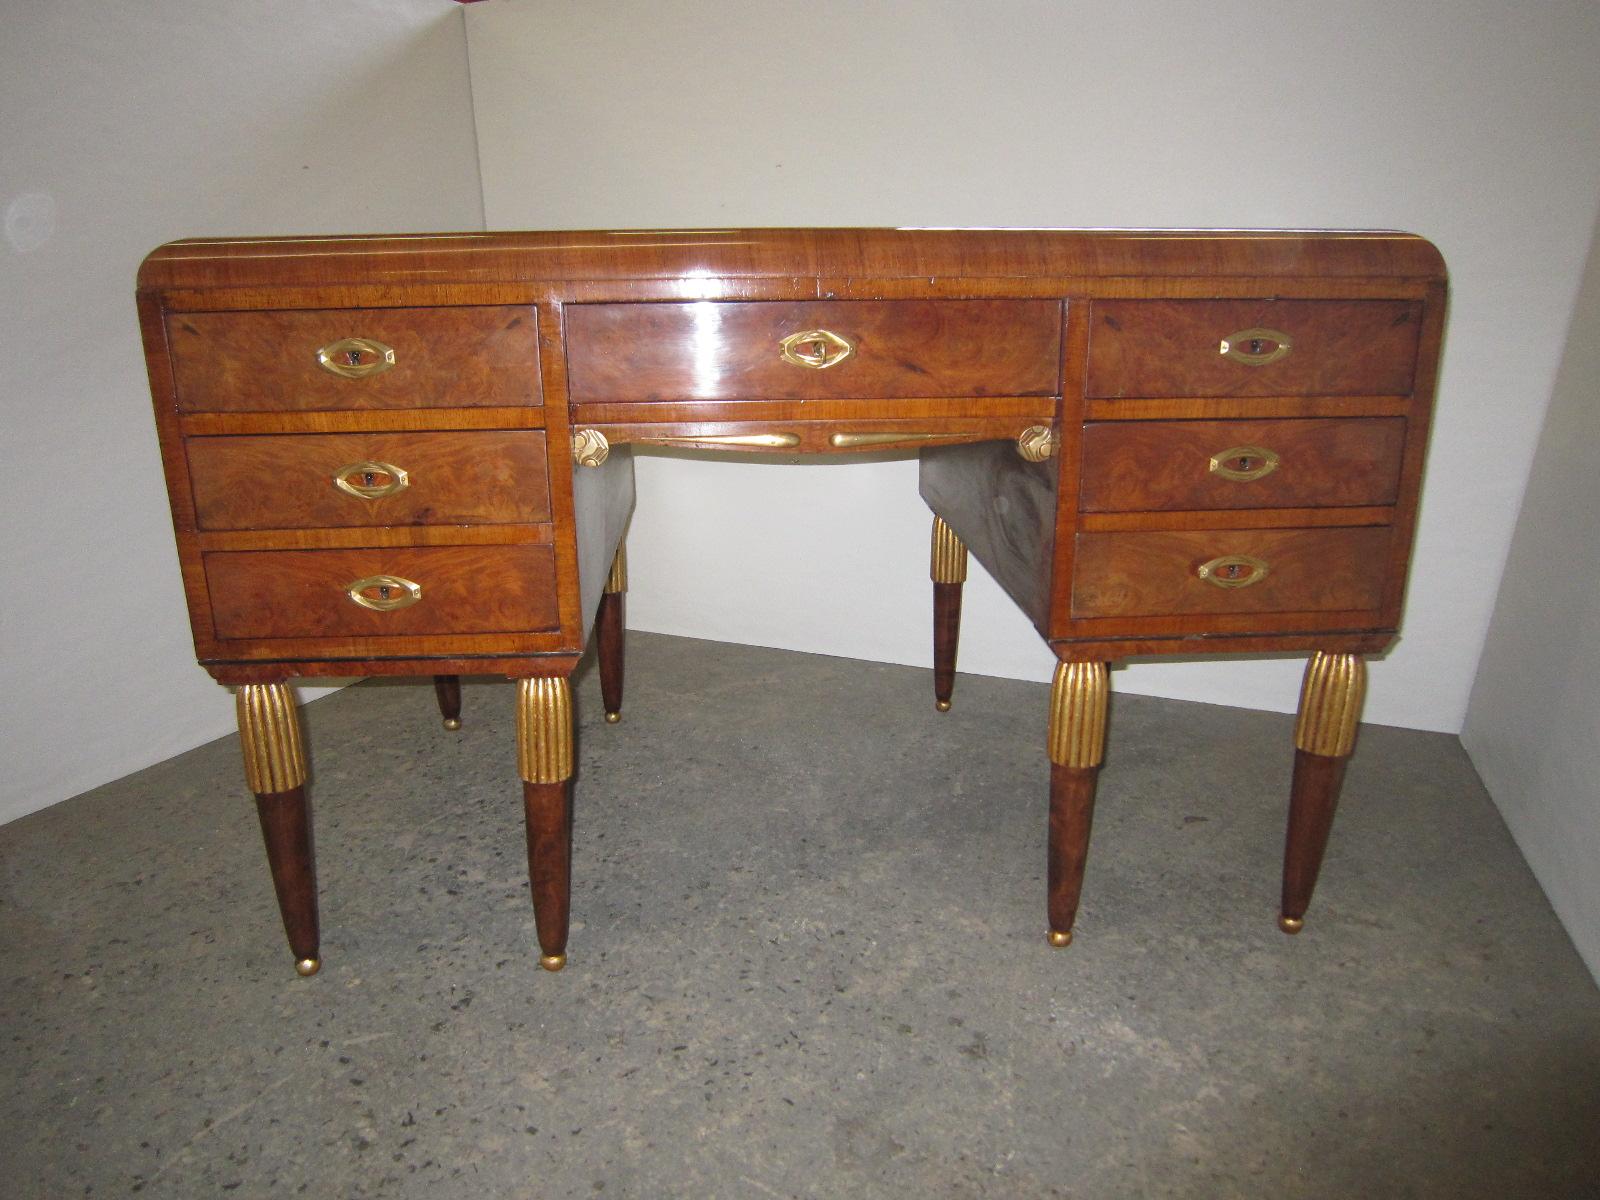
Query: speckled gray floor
<point x="807" y="960"/>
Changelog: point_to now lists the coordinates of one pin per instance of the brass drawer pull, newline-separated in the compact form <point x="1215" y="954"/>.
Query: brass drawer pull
<point x="371" y="480"/>
<point x="1232" y="571"/>
<point x="384" y="593"/>
<point x="818" y="349"/>
<point x="1244" y="463"/>
<point x="355" y="357"/>
<point x="1257" y="347"/>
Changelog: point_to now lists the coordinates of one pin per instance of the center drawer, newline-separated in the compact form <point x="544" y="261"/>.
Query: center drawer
<point x="807" y="350"/>
<point x="404" y="590"/>
<point x="298" y="481"/>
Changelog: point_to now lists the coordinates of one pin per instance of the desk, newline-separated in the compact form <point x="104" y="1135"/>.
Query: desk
<point x="411" y="456"/>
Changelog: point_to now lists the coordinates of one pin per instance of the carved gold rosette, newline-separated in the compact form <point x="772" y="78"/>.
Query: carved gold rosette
<point x="269" y="734"/>
<point x="1330" y="704"/>
<point x="617" y="581"/>
<point x="1078" y="699"/>
<point x="949" y="558"/>
<point x="544" y="730"/>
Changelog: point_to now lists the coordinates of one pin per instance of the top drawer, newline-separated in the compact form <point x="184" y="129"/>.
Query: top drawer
<point x="355" y="358"/>
<point x="1252" y="347"/>
<point x="807" y="350"/>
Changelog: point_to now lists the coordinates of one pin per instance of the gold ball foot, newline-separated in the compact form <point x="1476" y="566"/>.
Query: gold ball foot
<point x="613" y="718"/>
<point x="552" y="962"/>
<point x="307" y="967"/>
<point x="942" y="705"/>
<point x="452" y="723"/>
<point x="1291" y="924"/>
<point x="1060" y="938"/>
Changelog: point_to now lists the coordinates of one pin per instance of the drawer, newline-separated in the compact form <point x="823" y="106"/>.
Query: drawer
<point x="294" y="481"/>
<point x="736" y="351"/>
<point x="1151" y="465"/>
<point x="1149" y="574"/>
<point x="1252" y="347"/>
<point x="305" y="593"/>
<point x="321" y="359"/>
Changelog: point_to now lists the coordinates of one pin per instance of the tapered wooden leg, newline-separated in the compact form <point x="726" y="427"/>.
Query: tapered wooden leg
<point x="1324" y="737"/>
<point x="448" y="689"/>
<point x="544" y="759"/>
<point x="610" y="631"/>
<point x="948" y="567"/>
<point x="275" y="770"/>
<point x="1078" y="700"/>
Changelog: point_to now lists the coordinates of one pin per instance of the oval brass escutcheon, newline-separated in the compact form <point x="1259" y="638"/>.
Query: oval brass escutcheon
<point x="1232" y="571"/>
<point x="371" y="480"/>
<point x="818" y="349"/>
<point x="355" y="357"/>
<point x="1257" y="347"/>
<point x="384" y="593"/>
<point x="1244" y="463"/>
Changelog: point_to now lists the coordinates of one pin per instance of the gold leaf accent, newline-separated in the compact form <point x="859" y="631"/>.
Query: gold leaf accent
<point x="1330" y="704"/>
<point x="544" y="730"/>
<point x="1078" y="698"/>
<point x="589" y="447"/>
<point x="1037" y="443"/>
<point x="617" y="581"/>
<point x="949" y="557"/>
<point x="269" y="734"/>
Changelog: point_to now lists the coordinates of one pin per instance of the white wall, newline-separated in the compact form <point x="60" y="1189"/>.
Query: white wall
<point x="1475" y="123"/>
<point x="123" y="126"/>
<point x="1533" y="728"/>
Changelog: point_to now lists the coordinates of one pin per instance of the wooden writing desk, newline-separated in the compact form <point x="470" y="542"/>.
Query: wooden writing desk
<point x="410" y="456"/>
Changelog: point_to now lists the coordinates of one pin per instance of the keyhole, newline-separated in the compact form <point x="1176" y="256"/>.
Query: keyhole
<point x="367" y="477"/>
<point x="353" y="357"/>
<point x="1244" y="460"/>
<point x="1255" y="345"/>
<point x="383" y="591"/>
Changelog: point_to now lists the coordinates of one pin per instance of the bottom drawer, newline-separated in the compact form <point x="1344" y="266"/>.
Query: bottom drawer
<point x="1165" y="573"/>
<point x="422" y="590"/>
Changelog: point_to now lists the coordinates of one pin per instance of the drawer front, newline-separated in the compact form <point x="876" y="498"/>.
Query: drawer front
<point x="322" y="359"/>
<point x="305" y="593"/>
<point x="1151" y="574"/>
<point x="736" y="351"/>
<point x="1133" y="466"/>
<point x="303" y="481"/>
<point x="1228" y="348"/>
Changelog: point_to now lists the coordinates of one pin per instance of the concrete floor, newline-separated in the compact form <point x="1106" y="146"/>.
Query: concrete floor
<point x="808" y="959"/>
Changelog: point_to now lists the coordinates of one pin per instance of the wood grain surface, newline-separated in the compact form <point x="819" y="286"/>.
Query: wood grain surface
<point x="444" y="358"/>
<point x="287" y="482"/>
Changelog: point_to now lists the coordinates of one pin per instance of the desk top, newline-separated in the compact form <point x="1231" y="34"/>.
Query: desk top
<point x="1055" y="254"/>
